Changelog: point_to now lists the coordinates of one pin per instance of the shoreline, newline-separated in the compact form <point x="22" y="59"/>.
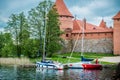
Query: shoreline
<point x="15" y="61"/>
<point x="26" y="63"/>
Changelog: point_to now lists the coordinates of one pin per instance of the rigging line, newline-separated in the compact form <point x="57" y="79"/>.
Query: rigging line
<point x="77" y="41"/>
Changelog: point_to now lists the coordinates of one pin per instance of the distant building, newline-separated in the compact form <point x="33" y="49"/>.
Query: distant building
<point x="96" y="38"/>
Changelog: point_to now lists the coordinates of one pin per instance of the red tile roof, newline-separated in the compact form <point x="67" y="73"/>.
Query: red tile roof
<point x="62" y="9"/>
<point x="117" y="16"/>
<point x="90" y="28"/>
<point x="103" y="24"/>
<point x="78" y="24"/>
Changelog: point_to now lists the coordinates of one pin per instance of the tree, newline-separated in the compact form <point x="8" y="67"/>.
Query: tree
<point x="1" y="43"/>
<point x="18" y="27"/>
<point x="31" y="35"/>
<point x="7" y="47"/>
<point x="31" y="48"/>
<point x="37" y="22"/>
<point x="53" y="32"/>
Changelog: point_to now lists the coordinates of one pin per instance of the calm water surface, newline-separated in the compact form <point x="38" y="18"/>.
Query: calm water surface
<point x="17" y="73"/>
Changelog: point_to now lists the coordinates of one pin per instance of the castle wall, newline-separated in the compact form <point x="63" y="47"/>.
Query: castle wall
<point x="117" y="37"/>
<point x="103" y="45"/>
<point x="65" y="22"/>
<point x="93" y="35"/>
<point x="92" y="42"/>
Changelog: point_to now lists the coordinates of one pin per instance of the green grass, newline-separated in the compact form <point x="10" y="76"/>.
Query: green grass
<point x="107" y="63"/>
<point x="64" y="58"/>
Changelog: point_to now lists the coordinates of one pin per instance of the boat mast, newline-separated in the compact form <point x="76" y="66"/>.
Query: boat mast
<point x="82" y="47"/>
<point x="44" y="23"/>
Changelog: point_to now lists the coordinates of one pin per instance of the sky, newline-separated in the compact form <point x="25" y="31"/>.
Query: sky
<point x="93" y="10"/>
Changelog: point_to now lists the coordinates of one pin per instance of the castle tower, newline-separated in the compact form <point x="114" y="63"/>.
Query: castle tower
<point x="65" y="17"/>
<point x="103" y="24"/>
<point x="116" y="34"/>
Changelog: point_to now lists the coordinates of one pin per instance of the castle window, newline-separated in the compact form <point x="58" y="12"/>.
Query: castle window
<point x="118" y="19"/>
<point x="94" y="28"/>
<point x="74" y="34"/>
<point x="111" y="33"/>
<point x="91" y="34"/>
<point x="67" y="35"/>
<point x="79" y="34"/>
<point x="105" y="33"/>
<point x="98" y="33"/>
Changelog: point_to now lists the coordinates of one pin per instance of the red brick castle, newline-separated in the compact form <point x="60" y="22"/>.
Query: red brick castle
<point x="96" y="38"/>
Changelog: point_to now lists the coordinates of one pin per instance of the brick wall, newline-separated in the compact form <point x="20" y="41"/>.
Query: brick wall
<point x="116" y="37"/>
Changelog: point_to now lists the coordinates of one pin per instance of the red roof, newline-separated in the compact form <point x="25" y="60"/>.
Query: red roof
<point x="62" y="9"/>
<point x="103" y="24"/>
<point x="90" y="28"/>
<point x="76" y="25"/>
<point x="117" y="16"/>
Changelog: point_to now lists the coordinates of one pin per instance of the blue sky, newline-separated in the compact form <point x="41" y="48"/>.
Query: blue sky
<point x="93" y="10"/>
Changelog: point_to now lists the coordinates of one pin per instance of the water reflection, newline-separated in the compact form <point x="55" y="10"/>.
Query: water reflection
<point x="48" y="74"/>
<point x="90" y="75"/>
<point x="18" y="73"/>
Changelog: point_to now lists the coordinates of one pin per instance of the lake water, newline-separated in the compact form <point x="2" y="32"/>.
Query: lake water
<point x="17" y="73"/>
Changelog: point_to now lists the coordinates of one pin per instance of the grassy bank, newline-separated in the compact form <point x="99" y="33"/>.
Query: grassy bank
<point x="64" y="58"/>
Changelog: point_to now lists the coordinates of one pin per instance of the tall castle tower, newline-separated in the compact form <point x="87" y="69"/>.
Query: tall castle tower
<point x="116" y="34"/>
<point x="65" y="17"/>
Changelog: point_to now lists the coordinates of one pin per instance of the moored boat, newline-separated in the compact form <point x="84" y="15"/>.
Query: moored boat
<point x="92" y="66"/>
<point x="76" y="65"/>
<point x="95" y="65"/>
<point x="84" y="60"/>
<point x="49" y="65"/>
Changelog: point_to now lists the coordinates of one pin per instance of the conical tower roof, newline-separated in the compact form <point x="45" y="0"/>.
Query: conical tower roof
<point x="117" y="16"/>
<point x="103" y="24"/>
<point x="62" y="9"/>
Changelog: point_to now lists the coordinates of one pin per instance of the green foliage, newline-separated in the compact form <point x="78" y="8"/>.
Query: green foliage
<point x="31" y="48"/>
<point x="1" y="41"/>
<point x="7" y="48"/>
<point x="53" y="33"/>
<point x="26" y="36"/>
<point x="18" y="28"/>
<point x="44" y="24"/>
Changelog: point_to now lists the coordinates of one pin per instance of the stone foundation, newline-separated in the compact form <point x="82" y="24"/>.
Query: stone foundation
<point x="104" y="45"/>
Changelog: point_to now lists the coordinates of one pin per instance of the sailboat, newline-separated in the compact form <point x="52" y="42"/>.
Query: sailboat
<point x="89" y="65"/>
<point x="49" y="65"/>
<point x="79" y="65"/>
<point x="85" y="62"/>
<point x="44" y="63"/>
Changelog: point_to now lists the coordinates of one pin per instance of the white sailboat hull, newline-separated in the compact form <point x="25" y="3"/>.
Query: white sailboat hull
<point x="76" y="65"/>
<point x="43" y="65"/>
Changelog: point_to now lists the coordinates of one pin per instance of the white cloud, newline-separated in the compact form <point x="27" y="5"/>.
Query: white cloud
<point x="3" y="19"/>
<point x="99" y="4"/>
<point x="1" y="29"/>
<point x="109" y="21"/>
<point x="80" y="11"/>
<point x="94" y="11"/>
<point x="22" y="3"/>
